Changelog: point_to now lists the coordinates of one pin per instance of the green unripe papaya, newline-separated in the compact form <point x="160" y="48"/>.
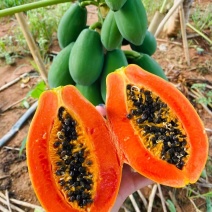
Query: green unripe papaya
<point x="149" y="64"/>
<point x="115" y="4"/>
<point x="71" y="24"/>
<point x="113" y="60"/>
<point x="91" y="92"/>
<point x="131" y="20"/>
<point x="148" y="46"/>
<point x="86" y="58"/>
<point x="58" y="74"/>
<point x="110" y="36"/>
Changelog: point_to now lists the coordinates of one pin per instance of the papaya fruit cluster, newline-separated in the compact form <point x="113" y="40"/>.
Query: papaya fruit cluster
<point x="89" y="53"/>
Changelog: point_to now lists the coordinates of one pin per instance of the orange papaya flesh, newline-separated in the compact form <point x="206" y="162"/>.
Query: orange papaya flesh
<point x="158" y="130"/>
<point x="66" y="154"/>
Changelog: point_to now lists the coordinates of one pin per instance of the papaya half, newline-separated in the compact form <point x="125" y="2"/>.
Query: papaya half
<point x="58" y="74"/>
<point x="66" y="148"/>
<point x="158" y="131"/>
<point x="148" y="46"/>
<point x="113" y="60"/>
<point x="110" y="36"/>
<point x="131" y="21"/>
<point x="71" y="24"/>
<point x="86" y="58"/>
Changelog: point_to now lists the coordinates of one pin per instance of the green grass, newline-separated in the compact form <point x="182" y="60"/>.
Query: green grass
<point x="203" y="93"/>
<point x="151" y="7"/>
<point x="202" y="17"/>
<point x="43" y="23"/>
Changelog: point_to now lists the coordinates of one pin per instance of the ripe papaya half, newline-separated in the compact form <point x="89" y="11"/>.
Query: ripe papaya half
<point x="58" y="73"/>
<point x="148" y="46"/>
<point x="158" y="130"/>
<point x="131" y="21"/>
<point x="113" y="60"/>
<point x="86" y="58"/>
<point x="110" y="36"/>
<point x="71" y="24"/>
<point x="115" y="4"/>
<point x="66" y="148"/>
<point x="91" y="92"/>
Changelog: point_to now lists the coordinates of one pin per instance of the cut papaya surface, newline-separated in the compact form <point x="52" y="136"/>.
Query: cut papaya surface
<point x="158" y="131"/>
<point x="66" y="151"/>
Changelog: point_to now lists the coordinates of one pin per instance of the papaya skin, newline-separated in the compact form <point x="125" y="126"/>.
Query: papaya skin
<point x="131" y="21"/>
<point x="71" y="24"/>
<point x="84" y="67"/>
<point x="39" y="159"/>
<point x="149" y="45"/>
<point x="91" y="93"/>
<point x="133" y="151"/>
<point x="58" y="74"/>
<point x="110" y="35"/>
<point x="113" y="60"/>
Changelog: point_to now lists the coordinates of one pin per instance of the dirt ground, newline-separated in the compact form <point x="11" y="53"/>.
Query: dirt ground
<point x="14" y="179"/>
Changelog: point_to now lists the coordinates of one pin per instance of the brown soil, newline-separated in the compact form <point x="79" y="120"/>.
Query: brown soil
<point x="14" y="176"/>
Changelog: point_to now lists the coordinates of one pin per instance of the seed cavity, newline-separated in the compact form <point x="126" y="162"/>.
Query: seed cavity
<point x="72" y="163"/>
<point x="161" y="131"/>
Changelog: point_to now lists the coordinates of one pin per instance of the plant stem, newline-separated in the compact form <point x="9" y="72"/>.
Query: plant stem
<point x="32" y="45"/>
<point x="162" y="7"/>
<point x="200" y="33"/>
<point x="30" y="6"/>
<point x="131" y="54"/>
<point x="95" y="25"/>
<point x="86" y="3"/>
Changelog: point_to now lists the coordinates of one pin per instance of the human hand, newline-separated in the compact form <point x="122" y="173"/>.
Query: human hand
<point x="131" y="181"/>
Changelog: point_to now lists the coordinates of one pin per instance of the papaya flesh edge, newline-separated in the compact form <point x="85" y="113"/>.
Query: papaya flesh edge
<point x="131" y="140"/>
<point x="41" y="158"/>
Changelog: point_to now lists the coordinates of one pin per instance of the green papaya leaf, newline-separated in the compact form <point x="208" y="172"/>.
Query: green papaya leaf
<point x="23" y="145"/>
<point x="38" y="90"/>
